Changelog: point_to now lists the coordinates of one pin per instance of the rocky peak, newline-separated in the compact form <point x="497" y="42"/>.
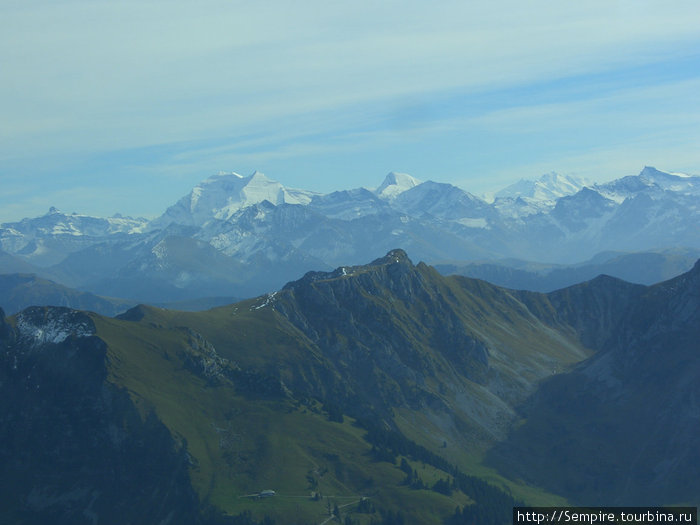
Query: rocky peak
<point x="395" y="184"/>
<point x="574" y="210"/>
<point x="650" y="173"/>
<point x="387" y="317"/>
<point x="396" y="256"/>
<point x="39" y="325"/>
<point x="221" y="196"/>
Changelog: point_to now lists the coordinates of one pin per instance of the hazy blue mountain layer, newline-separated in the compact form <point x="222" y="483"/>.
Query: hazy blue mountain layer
<point x="242" y="236"/>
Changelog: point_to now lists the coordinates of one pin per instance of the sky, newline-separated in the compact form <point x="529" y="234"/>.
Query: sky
<point x="110" y="107"/>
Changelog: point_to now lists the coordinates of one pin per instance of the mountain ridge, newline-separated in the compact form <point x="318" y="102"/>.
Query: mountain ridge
<point x="267" y="233"/>
<point x="642" y="268"/>
<point x="274" y="391"/>
<point x="642" y="382"/>
<point x="19" y="291"/>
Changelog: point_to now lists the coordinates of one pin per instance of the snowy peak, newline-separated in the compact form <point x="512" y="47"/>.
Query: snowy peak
<point x="651" y="174"/>
<point x="224" y="194"/>
<point x="670" y="181"/>
<point x="40" y="325"/>
<point x="55" y="222"/>
<point x="444" y="201"/>
<point x="220" y="196"/>
<point x="650" y="181"/>
<point x="349" y="204"/>
<point x="270" y="230"/>
<point x="256" y="189"/>
<point x="549" y="187"/>
<point x="394" y="184"/>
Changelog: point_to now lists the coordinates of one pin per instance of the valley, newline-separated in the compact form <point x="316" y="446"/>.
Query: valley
<point x="386" y="381"/>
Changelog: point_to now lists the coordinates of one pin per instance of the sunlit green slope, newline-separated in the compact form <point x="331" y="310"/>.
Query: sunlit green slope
<point x="440" y="361"/>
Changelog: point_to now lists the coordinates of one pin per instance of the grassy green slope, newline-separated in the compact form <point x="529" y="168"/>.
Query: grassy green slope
<point x="241" y="445"/>
<point x="474" y="348"/>
<point x="244" y="441"/>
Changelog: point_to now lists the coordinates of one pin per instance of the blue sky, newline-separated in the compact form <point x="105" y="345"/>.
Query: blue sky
<point x="123" y="106"/>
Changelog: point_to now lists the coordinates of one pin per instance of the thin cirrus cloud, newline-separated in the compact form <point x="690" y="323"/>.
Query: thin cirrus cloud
<point x="113" y="88"/>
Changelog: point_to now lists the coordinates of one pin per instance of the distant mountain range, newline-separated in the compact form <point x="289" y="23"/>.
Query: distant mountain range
<point x="641" y="268"/>
<point x="385" y="389"/>
<point x="19" y="291"/>
<point x="547" y="188"/>
<point x="241" y="236"/>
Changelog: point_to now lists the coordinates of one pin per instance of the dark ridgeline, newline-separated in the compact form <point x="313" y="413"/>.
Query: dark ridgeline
<point x="622" y="427"/>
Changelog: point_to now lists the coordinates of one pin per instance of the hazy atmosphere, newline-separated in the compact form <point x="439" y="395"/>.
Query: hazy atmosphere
<point x="361" y="263"/>
<point x="123" y="107"/>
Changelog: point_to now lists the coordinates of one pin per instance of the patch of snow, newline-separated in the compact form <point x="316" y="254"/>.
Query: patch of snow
<point x="160" y="250"/>
<point x="260" y="215"/>
<point x="681" y="175"/>
<point x="521" y="207"/>
<point x="56" y="326"/>
<point x="267" y="300"/>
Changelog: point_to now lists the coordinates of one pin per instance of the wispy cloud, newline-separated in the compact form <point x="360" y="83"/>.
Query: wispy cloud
<point x="85" y="80"/>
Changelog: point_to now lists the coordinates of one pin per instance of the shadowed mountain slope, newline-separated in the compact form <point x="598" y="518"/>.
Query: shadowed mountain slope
<point x="385" y="380"/>
<point x="623" y="426"/>
<point x="74" y="447"/>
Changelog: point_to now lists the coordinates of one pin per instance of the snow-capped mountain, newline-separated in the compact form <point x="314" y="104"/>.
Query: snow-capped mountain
<point x="632" y="213"/>
<point x="549" y="187"/>
<point x="55" y="222"/>
<point x="48" y="239"/>
<point x="443" y="201"/>
<point x="241" y="236"/>
<point x="650" y="182"/>
<point x="219" y="197"/>
<point x="394" y="184"/>
<point x="582" y="211"/>
<point x="349" y="204"/>
<point x="678" y="182"/>
<point x="529" y="197"/>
